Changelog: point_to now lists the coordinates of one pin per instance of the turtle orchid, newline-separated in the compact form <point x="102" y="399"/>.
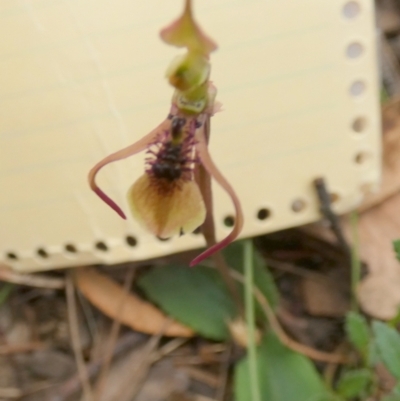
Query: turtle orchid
<point x="167" y="199"/>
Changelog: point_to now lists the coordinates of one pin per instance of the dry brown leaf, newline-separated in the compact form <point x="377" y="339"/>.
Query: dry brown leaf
<point x="388" y="19"/>
<point x="136" y="313"/>
<point x="164" y="379"/>
<point x="136" y="373"/>
<point x="379" y="225"/>
<point x="379" y="296"/>
<point x="390" y="184"/>
<point x="379" y="292"/>
<point x="324" y="298"/>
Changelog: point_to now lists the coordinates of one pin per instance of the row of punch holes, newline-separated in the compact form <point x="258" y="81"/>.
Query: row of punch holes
<point x="131" y="241"/>
<point x="354" y="50"/>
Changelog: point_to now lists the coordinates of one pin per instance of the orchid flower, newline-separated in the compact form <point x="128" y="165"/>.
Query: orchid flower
<point x="166" y="199"/>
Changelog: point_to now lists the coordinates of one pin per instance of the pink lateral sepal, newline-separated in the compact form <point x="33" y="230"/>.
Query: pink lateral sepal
<point x="130" y="150"/>
<point x="205" y="158"/>
<point x="210" y="251"/>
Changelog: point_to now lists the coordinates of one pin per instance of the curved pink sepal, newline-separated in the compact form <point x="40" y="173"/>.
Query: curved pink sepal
<point x="130" y="150"/>
<point x="212" y="169"/>
<point x="106" y="199"/>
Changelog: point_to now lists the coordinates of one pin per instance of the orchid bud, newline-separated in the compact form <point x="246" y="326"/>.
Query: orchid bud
<point x="187" y="72"/>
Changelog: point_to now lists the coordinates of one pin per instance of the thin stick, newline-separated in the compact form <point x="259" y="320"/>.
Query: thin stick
<point x="251" y="321"/>
<point x="220" y="394"/>
<point x="10" y="393"/>
<point x="30" y="280"/>
<point x="88" y="315"/>
<point x="75" y="338"/>
<point x="299" y="271"/>
<point x="9" y="349"/>
<point x="283" y="337"/>
<point x="146" y="359"/>
<point x="201" y="376"/>
<point x="329" y="214"/>
<point x="169" y="347"/>
<point x="113" y="337"/>
<point x="73" y="384"/>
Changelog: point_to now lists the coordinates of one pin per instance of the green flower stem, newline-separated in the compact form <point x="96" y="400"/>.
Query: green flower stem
<point x="251" y="322"/>
<point x="355" y="260"/>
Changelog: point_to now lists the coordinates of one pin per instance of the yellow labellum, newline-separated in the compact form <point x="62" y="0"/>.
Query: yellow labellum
<point x="166" y="208"/>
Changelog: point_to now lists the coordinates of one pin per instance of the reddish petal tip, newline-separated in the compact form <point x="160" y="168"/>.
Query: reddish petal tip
<point x="109" y="202"/>
<point x="193" y="263"/>
<point x="210" y="251"/>
<point x="198" y="259"/>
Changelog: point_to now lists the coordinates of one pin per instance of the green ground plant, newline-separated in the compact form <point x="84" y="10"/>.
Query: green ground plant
<point x="271" y="371"/>
<point x="173" y="197"/>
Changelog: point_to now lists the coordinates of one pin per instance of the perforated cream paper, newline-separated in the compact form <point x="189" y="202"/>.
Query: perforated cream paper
<point x="81" y="78"/>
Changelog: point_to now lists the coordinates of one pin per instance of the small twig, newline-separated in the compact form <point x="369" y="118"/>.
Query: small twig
<point x="199" y="397"/>
<point x="73" y="384"/>
<point x="202" y="376"/>
<point x="223" y="377"/>
<point x="112" y="340"/>
<point x="283" y="337"/>
<point x="330" y="370"/>
<point x="169" y="347"/>
<point x="88" y="315"/>
<point x="298" y="271"/>
<point x="195" y="360"/>
<point x="75" y="338"/>
<point x="18" y="377"/>
<point x="37" y="387"/>
<point x="329" y="214"/>
<point x="10" y="393"/>
<point x="142" y="368"/>
<point x="10" y="349"/>
<point x="31" y="280"/>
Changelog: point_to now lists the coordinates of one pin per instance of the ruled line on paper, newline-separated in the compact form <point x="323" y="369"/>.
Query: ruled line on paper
<point x="275" y="79"/>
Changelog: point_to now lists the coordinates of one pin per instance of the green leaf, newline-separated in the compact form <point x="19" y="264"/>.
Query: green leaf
<point x="198" y="297"/>
<point x="396" y="247"/>
<point x="195" y="296"/>
<point x="262" y="277"/>
<point x="387" y="340"/>
<point x="358" y="332"/>
<point x="396" y="389"/>
<point x="284" y="375"/>
<point x="373" y="356"/>
<point x="391" y="397"/>
<point x="354" y="382"/>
